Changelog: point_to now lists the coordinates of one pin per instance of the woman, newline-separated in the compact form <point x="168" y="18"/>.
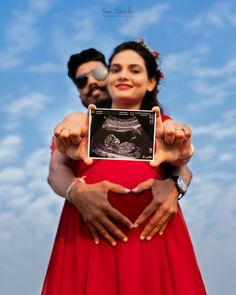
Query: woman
<point x="164" y="266"/>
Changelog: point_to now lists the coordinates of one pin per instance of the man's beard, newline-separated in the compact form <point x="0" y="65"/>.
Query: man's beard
<point x="92" y="88"/>
<point x="89" y="98"/>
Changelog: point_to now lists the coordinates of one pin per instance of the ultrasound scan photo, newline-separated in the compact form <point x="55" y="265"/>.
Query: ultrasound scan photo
<point x="121" y="134"/>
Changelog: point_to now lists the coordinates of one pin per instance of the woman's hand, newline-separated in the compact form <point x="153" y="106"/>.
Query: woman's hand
<point x="173" y="142"/>
<point x="71" y="136"/>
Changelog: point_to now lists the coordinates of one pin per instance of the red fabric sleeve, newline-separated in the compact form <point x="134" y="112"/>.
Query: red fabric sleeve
<point x="165" y="117"/>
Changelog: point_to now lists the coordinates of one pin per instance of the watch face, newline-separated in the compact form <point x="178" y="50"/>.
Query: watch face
<point x="182" y="185"/>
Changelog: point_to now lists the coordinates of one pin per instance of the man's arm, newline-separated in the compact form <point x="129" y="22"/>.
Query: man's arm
<point x="90" y="200"/>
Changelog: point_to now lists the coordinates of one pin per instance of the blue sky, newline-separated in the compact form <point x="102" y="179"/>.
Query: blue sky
<point x="196" y="40"/>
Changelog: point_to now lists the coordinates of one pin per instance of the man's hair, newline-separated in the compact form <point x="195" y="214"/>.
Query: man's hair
<point x="84" y="56"/>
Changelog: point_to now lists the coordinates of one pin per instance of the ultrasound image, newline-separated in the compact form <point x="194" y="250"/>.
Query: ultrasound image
<point x="121" y="135"/>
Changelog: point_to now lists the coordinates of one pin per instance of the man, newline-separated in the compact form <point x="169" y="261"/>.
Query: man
<point x="86" y="69"/>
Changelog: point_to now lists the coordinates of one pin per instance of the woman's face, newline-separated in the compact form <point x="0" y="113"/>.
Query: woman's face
<point x="128" y="80"/>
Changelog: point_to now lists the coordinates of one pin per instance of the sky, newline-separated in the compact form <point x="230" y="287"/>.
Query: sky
<point x="196" y="40"/>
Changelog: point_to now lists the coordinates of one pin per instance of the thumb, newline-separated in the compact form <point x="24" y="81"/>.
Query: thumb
<point x="156" y="161"/>
<point x="159" y="124"/>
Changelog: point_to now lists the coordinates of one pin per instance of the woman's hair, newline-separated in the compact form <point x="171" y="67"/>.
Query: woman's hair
<point x="150" y="99"/>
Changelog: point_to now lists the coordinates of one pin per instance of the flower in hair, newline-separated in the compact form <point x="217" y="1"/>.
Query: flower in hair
<point x="162" y="76"/>
<point x="154" y="53"/>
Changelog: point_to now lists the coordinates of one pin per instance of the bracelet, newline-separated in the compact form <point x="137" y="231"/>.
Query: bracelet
<point x="79" y="179"/>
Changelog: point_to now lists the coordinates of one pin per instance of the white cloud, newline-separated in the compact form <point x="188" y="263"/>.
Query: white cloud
<point x="205" y="153"/>
<point x="26" y="106"/>
<point x="46" y="68"/>
<point x="10" y="147"/>
<point x="12" y="175"/>
<point x="228" y="69"/>
<point x="184" y="62"/>
<point x="217" y="130"/>
<point x="143" y="19"/>
<point x="219" y="16"/>
<point x="29" y="217"/>
<point x="211" y="196"/>
<point x="226" y="157"/>
<point x="212" y="93"/>
<point x="22" y="34"/>
<point x="84" y="29"/>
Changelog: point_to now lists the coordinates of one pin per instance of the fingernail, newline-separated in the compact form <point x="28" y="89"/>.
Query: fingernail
<point x="149" y="238"/>
<point x="161" y="233"/>
<point x="125" y="239"/>
<point x="131" y="226"/>
<point x="113" y="244"/>
<point x="135" y="190"/>
<point x="126" y="190"/>
<point x="142" y="238"/>
<point x="136" y="225"/>
<point x="96" y="242"/>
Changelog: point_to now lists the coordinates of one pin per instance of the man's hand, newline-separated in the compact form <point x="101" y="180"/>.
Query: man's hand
<point x="91" y="200"/>
<point x="162" y="208"/>
<point x="173" y="142"/>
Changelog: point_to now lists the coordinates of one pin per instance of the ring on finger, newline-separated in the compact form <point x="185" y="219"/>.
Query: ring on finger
<point x="64" y="128"/>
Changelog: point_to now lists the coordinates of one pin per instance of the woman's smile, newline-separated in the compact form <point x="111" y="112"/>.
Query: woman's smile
<point x="123" y="86"/>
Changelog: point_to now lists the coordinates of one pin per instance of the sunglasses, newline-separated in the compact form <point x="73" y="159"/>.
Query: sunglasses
<point x="99" y="73"/>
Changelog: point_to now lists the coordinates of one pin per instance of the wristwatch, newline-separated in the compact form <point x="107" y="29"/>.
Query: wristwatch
<point x="180" y="184"/>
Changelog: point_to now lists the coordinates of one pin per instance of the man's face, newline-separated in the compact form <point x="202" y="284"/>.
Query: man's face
<point x="94" y="90"/>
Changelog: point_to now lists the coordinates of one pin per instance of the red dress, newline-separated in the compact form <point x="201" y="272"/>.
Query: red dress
<point x="166" y="265"/>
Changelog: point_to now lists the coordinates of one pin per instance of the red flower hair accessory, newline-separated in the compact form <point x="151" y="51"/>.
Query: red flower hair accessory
<point x="154" y="53"/>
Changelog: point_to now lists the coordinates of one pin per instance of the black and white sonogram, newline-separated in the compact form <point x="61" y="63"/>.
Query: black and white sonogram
<point x="122" y="134"/>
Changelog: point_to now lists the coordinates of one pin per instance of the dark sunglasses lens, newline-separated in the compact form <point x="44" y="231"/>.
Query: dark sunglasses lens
<point x="81" y="82"/>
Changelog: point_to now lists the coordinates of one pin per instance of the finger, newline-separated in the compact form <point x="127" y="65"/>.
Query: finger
<point x="153" y="223"/>
<point x="145" y="185"/>
<point x="156" y="161"/>
<point x="114" y="230"/>
<point x="90" y="108"/>
<point x="104" y="233"/>
<point x="147" y="212"/>
<point x="159" y="124"/>
<point x="57" y="138"/>
<point x="187" y="132"/>
<point x="84" y="131"/>
<point x="84" y="151"/>
<point x="75" y="135"/>
<point x="65" y="136"/>
<point x="93" y="233"/>
<point x="57" y="129"/>
<point x="115" y="188"/>
<point x="160" y="227"/>
<point x="169" y="134"/>
<point x="116" y="215"/>
<point x="179" y="136"/>
<point x="59" y="145"/>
